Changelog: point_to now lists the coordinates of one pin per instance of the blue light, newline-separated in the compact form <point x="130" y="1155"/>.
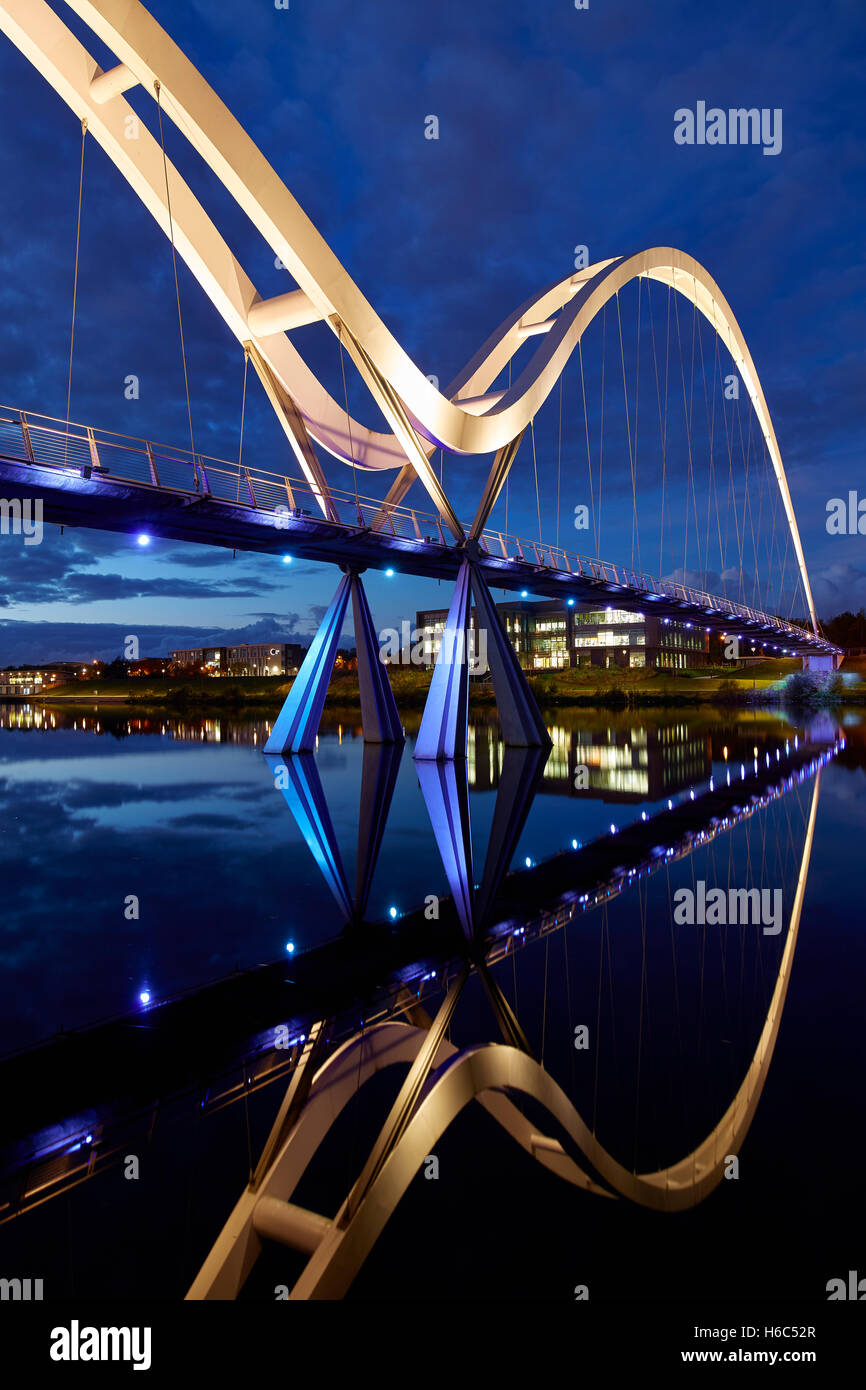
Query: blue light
<point x="612" y="828"/>
<point x="143" y="539"/>
<point x="389" y="574"/>
<point x="287" y="559"/>
<point x="144" y="996"/>
<point x="528" y="862"/>
<point x="571" y="603"/>
<point x="574" y="844"/>
<point x="290" y="946"/>
<point x="392" y="912"/>
<point x="524" y="593"/>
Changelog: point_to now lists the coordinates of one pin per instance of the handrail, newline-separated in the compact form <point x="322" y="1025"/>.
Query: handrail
<point x="211" y="476"/>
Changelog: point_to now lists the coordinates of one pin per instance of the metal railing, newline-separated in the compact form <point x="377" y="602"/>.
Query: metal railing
<point x="543" y="556"/>
<point x="46" y="441"/>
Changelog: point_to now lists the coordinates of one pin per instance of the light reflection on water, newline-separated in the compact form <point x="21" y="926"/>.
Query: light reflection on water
<point x="183" y="814"/>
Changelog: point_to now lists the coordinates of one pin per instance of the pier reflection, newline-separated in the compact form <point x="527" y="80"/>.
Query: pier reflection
<point x="483" y="994"/>
<point x="694" y="990"/>
<point x="625" y="762"/>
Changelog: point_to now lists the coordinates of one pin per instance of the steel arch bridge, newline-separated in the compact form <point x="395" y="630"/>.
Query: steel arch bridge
<point x="468" y="418"/>
<point x="441" y="1081"/>
<point x="92" y="479"/>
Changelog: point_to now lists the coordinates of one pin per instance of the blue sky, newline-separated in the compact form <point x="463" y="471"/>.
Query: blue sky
<point x="555" y="130"/>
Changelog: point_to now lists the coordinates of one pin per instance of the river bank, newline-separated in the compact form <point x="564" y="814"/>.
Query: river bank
<point x="772" y="681"/>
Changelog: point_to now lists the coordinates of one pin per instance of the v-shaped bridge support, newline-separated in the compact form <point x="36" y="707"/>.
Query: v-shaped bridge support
<point x="297" y="724"/>
<point x="444" y="726"/>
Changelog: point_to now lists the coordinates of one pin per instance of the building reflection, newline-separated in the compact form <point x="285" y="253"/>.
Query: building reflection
<point x="632" y="764"/>
<point x="506" y="1074"/>
<point x="404" y="982"/>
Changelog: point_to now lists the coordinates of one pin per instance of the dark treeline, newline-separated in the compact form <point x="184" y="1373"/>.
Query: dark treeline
<point x="847" y="629"/>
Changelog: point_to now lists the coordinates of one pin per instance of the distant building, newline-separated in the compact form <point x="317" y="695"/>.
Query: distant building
<point x="36" y="680"/>
<point x="550" y="635"/>
<point x="627" y="764"/>
<point x="244" y="659"/>
<point x="149" y="666"/>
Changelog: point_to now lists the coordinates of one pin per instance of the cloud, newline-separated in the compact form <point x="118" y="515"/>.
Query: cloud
<point x="839" y="588"/>
<point x="556" y="129"/>
<point x="40" y="642"/>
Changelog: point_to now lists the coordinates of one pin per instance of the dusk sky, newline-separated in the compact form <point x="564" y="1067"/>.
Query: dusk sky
<point x="556" y="129"/>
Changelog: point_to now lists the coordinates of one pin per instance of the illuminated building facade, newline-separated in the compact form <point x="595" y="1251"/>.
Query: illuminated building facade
<point x="624" y="763"/>
<point x="552" y="635"/>
<point x="245" y="659"/>
<point x="33" y="680"/>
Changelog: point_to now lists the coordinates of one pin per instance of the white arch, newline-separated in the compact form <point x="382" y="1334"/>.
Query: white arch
<point x="480" y="1073"/>
<point x="343" y="1247"/>
<point x="412" y="405"/>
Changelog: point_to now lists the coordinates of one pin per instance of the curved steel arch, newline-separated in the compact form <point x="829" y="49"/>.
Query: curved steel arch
<point x="420" y="416"/>
<point x="337" y="1081"/>
<point x="485" y="1073"/>
<point x="343" y="1248"/>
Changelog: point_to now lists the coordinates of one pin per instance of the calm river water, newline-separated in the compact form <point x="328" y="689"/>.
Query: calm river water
<point x="144" y="855"/>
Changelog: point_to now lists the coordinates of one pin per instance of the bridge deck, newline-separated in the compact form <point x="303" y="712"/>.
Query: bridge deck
<point x="115" y="483"/>
<point x="113" y="1078"/>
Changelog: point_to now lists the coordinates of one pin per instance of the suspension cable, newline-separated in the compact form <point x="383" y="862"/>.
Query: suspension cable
<point x="559" y="458"/>
<point x="174" y="268"/>
<point x="535" y="470"/>
<point x="601" y="425"/>
<point x="634" y="522"/>
<point x="243" y="410"/>
<point x="75" y="284"/>
<point x="588" y="450"/>
<point x="508" y="474"/>
<point x="348" y="419"/>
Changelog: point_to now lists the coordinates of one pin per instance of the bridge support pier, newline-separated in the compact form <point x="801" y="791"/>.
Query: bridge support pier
<point x="445" y="723"/>
<point x="820" y="661"/>
<point x="297" y="724"/>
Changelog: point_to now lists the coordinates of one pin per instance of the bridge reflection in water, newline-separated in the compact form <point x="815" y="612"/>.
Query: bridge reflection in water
<point x="498" y="912"/>
<point x="680" y="1021"/>
<point x="629" y="763"/>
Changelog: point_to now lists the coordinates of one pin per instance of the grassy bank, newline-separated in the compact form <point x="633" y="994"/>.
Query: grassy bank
<point x="587" y="685"/>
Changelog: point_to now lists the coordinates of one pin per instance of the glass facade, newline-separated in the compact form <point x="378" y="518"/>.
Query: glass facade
<point x="550" y="635"/>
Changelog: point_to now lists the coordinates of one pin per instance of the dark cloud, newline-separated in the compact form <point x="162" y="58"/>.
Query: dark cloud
<point x="556" y="129"/>
<point x="22" y="643"/>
